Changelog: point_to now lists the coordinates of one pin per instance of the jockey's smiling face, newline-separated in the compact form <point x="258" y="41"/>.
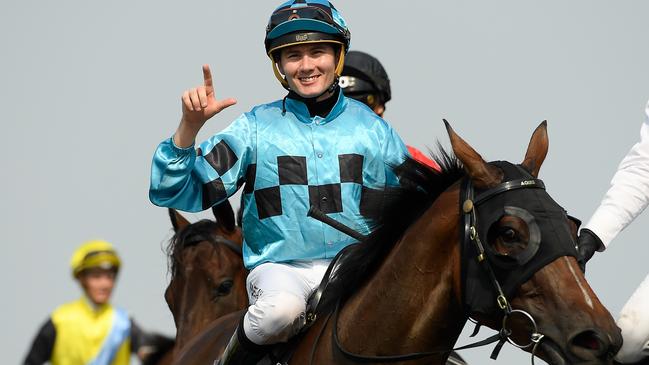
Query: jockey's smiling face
<point x="309" y="68"/>
<point x="98" y="284"/>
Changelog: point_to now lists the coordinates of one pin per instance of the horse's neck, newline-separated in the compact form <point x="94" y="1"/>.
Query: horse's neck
<point x="209" y="343"/>
<point x="413" y="302"/>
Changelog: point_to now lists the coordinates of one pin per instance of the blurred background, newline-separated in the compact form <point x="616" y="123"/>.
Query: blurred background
<point x="88" y="89"/>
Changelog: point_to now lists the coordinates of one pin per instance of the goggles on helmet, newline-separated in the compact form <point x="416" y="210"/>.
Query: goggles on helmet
<point x="359" y="89"/>
<point x="354" y="85"/>
<point x="305" y="17"/>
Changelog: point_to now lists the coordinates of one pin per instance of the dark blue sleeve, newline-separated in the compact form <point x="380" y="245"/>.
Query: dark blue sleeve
<point x="42" y="346"/>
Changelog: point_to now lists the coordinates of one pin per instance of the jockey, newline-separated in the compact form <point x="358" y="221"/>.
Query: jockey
<point x="315" y="147"/>
<point x="89" y="330"/>
<point x="627" y="197"/>
<point x="364" y="78"/>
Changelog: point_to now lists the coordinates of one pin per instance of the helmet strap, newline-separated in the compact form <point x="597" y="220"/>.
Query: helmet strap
<point x="281" y="78"/>
<point x="331" y="89"/>
<point x="341" y="62"/>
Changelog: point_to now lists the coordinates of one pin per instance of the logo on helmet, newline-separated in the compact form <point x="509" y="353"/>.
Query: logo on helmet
<point x="301" y="37"/>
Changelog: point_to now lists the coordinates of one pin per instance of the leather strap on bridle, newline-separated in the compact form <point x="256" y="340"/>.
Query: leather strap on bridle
<point x="216" y="240"/>
<point x="508" y="186"/>
<point x="471" y="233"/>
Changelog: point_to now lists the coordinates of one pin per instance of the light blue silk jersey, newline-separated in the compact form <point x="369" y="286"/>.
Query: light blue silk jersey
<point x="288" y="161"/>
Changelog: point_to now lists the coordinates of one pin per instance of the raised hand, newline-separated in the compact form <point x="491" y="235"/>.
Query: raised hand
<point x="199" y="104"/>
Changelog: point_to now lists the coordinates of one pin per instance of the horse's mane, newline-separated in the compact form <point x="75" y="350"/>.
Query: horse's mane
<point x="186" y="237"/>
<point x="420" y="187"/>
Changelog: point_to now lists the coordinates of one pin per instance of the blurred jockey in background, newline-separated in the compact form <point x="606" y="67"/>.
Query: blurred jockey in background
<point x="89" y="330"/>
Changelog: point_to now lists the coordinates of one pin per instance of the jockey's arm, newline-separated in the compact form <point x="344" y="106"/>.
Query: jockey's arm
<point x="192" y="179"/>
<point x="628" y="195"/>
<point x="394" y="152"/>
<point x="41" y="350"/>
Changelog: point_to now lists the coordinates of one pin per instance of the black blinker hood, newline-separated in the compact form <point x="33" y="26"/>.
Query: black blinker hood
<point x="550" y="238"/>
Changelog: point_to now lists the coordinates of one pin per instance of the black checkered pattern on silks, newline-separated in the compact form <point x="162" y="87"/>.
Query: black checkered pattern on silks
<point x="222" y="159"/>
<point x="292" y="170"/>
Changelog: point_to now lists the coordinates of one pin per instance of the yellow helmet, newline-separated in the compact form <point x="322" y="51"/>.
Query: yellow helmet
<point x="94" y="254"/>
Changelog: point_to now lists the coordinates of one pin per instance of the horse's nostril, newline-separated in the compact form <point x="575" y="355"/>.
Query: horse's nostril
<point x="592" y="342"/>
<point x="587" y="339"/>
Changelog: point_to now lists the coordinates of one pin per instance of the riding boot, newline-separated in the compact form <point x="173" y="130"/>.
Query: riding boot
<point x="241" y="351"/>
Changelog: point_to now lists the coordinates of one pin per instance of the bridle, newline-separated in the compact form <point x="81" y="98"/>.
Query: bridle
<point x="215" y="240"/>
<point x="469" y="203"/>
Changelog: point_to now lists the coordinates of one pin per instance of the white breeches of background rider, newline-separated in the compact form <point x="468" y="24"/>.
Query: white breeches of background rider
<point x="278" y="294"/>
<point x="634" y="322"/>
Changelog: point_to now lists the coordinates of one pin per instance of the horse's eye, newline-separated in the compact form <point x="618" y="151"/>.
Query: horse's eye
<point x="223" y="289"/>
<point x="508" y="235"/>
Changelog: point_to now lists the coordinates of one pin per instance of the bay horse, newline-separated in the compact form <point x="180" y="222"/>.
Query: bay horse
<point x="179" y="253"/>
<point x="478" y="239"/>
<point x="207" y="273"/>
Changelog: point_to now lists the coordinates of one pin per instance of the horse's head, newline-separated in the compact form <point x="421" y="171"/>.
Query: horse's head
<point x="208" y="277"/>
<point x="516" y="231"/>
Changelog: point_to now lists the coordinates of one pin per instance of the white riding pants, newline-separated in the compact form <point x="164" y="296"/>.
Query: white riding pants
<point x="278" y="294"/>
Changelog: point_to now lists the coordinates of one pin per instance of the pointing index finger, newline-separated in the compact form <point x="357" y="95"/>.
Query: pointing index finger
<point x="207" y="76"/>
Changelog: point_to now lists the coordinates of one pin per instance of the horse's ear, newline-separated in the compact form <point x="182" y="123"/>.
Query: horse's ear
<point x="224" y="215"/>
<point x="177" y="220"/>
<point x="537" y="150"/>
<point x="482" y="174"/>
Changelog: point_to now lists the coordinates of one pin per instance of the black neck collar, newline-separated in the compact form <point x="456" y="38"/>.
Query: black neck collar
<point x="320" y="108"/>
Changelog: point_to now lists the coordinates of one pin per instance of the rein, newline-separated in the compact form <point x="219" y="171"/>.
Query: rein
<point x="469" y="204"/>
